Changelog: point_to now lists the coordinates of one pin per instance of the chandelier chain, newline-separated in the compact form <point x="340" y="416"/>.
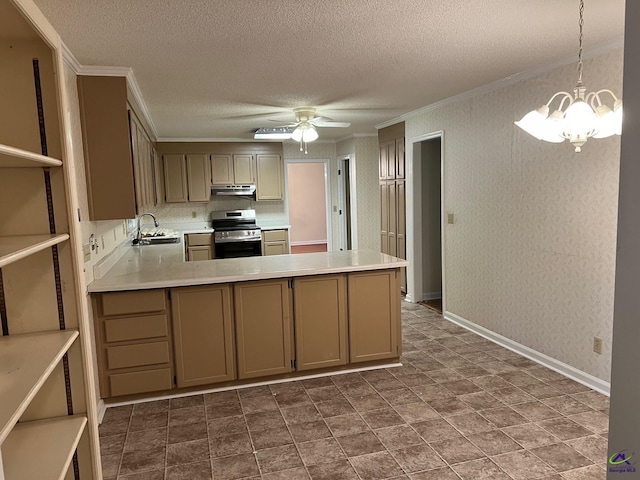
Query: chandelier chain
<point x="580" y="24"/>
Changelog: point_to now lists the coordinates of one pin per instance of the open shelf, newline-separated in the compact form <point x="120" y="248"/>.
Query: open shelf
<point x="42" y="449"/>
<point x="11" y="157"/>
<point x="14" y="248"/>
<point x="26" y="361"/>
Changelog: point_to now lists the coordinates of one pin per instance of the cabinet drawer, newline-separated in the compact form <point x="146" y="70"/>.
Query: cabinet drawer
<point x="137" y="355"/>
<point x="140" y="382"/>
<point x="274" y="235"/>
<point x="196" y="239"/>
<point x="135" y="328"/>
<point x="139" y="301"/>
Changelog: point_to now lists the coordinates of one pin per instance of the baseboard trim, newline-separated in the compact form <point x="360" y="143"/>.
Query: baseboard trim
<point x="309" y="242"/>
<point x="101" y="410"/>
<point x="556" y="365"/>
<point x="249" y="385"/>
<point x="431" y="296"/>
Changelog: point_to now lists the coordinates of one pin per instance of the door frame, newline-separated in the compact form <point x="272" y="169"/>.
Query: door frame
<point x="353" y="213"/>
<point x="414" y="215"/>
<point x="327" y="192"/>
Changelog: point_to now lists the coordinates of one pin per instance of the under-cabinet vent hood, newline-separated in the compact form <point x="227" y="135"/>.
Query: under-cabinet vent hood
<point x="239" y="190"/>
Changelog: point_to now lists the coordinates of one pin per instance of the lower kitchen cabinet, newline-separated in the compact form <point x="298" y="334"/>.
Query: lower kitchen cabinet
<point x="263" y="327"/>
<point x="275" y="242"/>
<point x="374" y="315"/>
<point x="320" y="313"/>
<point x="134" y="342"/>
<point x="203" y="334"/>
<point x="199" y="246"/>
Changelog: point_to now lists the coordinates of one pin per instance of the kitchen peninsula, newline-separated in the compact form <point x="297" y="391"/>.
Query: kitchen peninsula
<point x="164" y="324"/>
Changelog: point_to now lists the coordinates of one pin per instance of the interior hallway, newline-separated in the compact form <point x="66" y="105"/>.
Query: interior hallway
<point x="461" y="407"/>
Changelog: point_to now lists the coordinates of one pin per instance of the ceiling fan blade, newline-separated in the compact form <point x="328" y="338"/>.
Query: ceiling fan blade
<point x="330" y="124"/>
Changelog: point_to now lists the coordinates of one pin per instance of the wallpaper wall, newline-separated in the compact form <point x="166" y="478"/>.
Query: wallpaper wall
<point x="367" y="156"/>
<point x="531" y="255"/>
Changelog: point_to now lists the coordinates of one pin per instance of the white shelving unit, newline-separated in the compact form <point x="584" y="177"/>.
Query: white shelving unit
<point x="48" y="423"/>
<point x="42" y="449"/>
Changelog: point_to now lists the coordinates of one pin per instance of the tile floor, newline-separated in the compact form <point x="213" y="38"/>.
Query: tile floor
<point x="461" y="407"/>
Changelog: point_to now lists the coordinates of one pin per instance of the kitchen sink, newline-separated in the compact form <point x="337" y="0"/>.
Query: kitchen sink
<point x="159" y="240"/>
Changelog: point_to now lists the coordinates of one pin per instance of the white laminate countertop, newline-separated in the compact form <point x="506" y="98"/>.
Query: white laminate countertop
<point x="161" y="266"/>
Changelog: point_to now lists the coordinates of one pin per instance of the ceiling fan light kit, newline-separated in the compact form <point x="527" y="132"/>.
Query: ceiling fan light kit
<point x="579" y="116"/>
<point x="303" y="131"/>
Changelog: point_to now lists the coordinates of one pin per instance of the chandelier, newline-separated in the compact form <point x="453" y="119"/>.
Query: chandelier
<point x="578" y="117"/>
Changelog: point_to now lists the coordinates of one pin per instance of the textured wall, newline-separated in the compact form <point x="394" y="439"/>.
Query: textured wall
<point x="532" y="253"/>
<point x="368" y="192"/>
<point x="307" y="202"/>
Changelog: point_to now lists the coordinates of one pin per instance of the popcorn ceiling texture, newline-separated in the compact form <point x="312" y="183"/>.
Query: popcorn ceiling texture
<point x="532" y="253"/>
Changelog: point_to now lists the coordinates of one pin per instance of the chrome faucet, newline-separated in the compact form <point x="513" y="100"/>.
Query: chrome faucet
<point x="137" y="240"/>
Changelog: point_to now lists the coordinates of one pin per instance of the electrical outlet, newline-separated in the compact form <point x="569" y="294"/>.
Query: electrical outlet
<point x="597" y="345"/>
<point x="450" y="218"/>
<point x="193" y="214"/>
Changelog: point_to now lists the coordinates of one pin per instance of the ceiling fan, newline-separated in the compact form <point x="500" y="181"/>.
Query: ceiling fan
<point x="303" y="130"/>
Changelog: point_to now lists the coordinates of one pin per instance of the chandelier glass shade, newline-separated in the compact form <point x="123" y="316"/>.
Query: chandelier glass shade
<point x="578" y="116"/>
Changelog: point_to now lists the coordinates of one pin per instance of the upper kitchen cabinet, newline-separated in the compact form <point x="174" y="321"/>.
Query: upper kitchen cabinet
<point x="187" y="178"/>
<point x="119" y="156"/>
<point x="239" y="169"/>
<point x="270" y="185"/>
<point x="233" y="163"/>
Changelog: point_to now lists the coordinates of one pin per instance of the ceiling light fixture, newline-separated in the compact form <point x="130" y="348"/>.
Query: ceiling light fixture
<point x="277" y="133"/>
<point x="585" y="115"/>
<point x="304" y="133"/>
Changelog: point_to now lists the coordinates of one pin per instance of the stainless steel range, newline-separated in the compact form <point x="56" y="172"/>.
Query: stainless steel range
<point x="235" y="234"/>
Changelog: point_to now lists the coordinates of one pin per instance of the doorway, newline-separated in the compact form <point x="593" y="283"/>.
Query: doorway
<point x="308" y="197"/>
<point x="427" y="214"/>
<point x="345" y="207"/>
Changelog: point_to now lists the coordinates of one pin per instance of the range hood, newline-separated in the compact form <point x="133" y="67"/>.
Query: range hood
<point x="238" y="190"/>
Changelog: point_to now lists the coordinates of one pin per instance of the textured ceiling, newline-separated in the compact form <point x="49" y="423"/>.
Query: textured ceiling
<point x="222" y="68"/>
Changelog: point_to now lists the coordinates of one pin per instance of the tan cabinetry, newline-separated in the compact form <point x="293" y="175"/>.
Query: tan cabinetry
<point x="270" y="177"/>
<point x="374" y="315"/>
<point x="175" y="179"/>
<point x="203" y="334"/>
<point x="237" y="169"/>
<point x="119" y="161"/>
<point x="198" y="178"/>
<point x="187" y="178"/>
<point x="199" y="246"/>
<point x="263" y="328"/>
<point x="134" y="342"/>
<point x="320" y="313"/>
<point x="392" y="193"/>
<point x="275" y="242"/>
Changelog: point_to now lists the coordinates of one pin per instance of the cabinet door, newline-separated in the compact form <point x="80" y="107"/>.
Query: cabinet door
<point x="269" y="184"/>
<point x="275" y="248"/>
<point x="203" y="335"/>
<point x="374" y="315"/>
<point x="221" y="170"/>
<point x="391" y="200"/>
<point x="175" y="179"/>
<point x="137" y="164"/>
<point x="198" y="178"/>
<point x="401" y="230"/>
<point x="244" y="171"/>
<point x="384" y="217"/>
<point x="202" y="252"/>
<point x="263" y="328"/>
<point x="383" y="161"/>
<point x="320" y="307"/>
<point x="400" y="157"/>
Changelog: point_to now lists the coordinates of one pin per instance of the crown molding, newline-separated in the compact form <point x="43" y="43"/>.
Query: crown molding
<point x="592" y="52"/>
<point x="105" y="71"/>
